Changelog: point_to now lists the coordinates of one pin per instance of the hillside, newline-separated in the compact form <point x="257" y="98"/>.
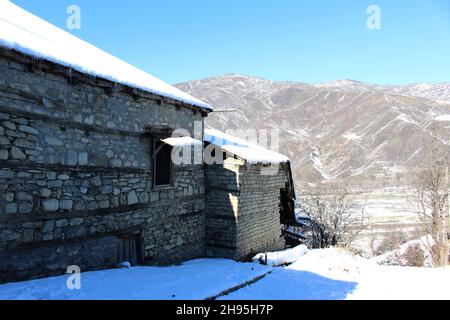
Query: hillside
<point x="373" y="134"/>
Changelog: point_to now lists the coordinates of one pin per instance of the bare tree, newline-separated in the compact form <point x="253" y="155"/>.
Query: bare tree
<point x="431" y="195"/>
<point x="336" y="217"/>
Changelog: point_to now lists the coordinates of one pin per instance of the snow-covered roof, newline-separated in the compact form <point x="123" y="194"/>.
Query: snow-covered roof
<point x="252" y="153"/>
<point x="182" y="142"/>
<point x="31" y="35"/>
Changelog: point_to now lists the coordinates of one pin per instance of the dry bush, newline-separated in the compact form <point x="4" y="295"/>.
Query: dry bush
<point x="414" y="255"/>
<point x="390" y="243"/>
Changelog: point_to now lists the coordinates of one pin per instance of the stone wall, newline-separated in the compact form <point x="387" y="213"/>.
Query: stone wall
<point x="75" y="173"/>
<point x="259" y="227"/>
<point x="242" y="210"/>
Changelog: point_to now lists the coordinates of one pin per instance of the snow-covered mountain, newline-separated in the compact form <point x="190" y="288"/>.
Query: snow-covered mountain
<point x="342" y="129"/>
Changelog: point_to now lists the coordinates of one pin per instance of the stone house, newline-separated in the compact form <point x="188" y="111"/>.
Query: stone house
<point x="249" y="198"/>
<point x="79" y="180"/>
<point x="86" y="176"/>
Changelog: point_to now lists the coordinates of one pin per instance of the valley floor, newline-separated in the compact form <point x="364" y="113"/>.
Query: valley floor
<point x="330" y="274"/>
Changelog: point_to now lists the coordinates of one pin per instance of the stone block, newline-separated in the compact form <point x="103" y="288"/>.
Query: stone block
<point x="17" y="154"/>
<point x="132" y="198"/>
<point x="50" y="205"/>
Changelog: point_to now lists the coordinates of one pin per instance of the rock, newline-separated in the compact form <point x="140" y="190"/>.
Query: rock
<point x="72" y="158"/>
<point x="54" y="184"/>
<point x="76" y="222"/>
<point x="62" y="223"/>
<point x="63" y="177"/>
<point x="66" y="204"/>
<point x="110" y="154"/>
<point x="143" y="198"/>
<point x="17" y="154"/>
<point x="83" y="158"/>
<point x="154" y="196"/>
<point x="49" y="226"/>
<point x="4" y="141"/>
<point x="9" y="197"/>
<point x="28" y="235"/>
<point x="23" y="196"/>
<point x="28" y="129"/>
<point x="51" y="175"/>
<point x="11" y="208"/>
<point x="53" y="141"/>
<point x="79" y="206"/>
<point x="4" y="154"/>
<point x="45" y="193"/>
<point x="50" y="205"/>
<point x="15" y="134"/>
<point x="132" y="198"/>
<point x="23" y="175"/>
<point x="96" y="181"/>
<point x="25" y="207"/>
<point x="31" y="138"/>
<point x="106" y="189"/>
<point x="48" y="237"/>
<point x="24" y="144"/>
<point x="92" y="206"/>
<point x="104" y="204"/>
<point x="89" y="120"/>
<point x="9" y="125"/>
<point x="180" y="241"/>
<point x="116" y="163"/>
<point x="21" y="120"/>
<point x="78" y="118"/>
<point x="6" y="174"/>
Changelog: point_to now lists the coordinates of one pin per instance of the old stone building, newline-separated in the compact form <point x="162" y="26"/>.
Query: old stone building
<point x="249" y="198"/>
<point x="79" y="178"/>
<point x="86" y="176"/>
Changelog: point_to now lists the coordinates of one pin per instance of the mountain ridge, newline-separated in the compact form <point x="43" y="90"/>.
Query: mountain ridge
<point x="347" y="129"/>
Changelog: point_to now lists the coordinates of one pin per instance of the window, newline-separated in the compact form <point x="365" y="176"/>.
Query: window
<point x="162" y="163"/>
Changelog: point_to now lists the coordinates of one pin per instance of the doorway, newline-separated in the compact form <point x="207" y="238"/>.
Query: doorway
<point x="130" y="249"/>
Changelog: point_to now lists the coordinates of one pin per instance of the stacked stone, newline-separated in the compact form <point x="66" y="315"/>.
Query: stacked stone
<point x="76" y="175"/>
<point x="242" y="210"/>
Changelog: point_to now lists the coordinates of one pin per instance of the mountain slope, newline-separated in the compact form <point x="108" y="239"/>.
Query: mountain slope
<point x="344" y="129"/>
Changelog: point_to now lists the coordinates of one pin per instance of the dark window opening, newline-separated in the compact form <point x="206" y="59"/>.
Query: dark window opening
<point x="162" y="163"/>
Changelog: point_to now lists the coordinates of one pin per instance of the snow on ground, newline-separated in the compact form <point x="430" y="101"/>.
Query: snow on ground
<point x="326" y="274"/>
<point x="281" y="257"/>
<point x="196" y="279"/>
<point x="445" y="117"/>
<point x="331" y="274"/>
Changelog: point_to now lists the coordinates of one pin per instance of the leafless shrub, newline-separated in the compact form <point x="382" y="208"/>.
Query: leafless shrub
<point x="390" y="243"/>
<point x="336" y="218"/>
<point x="414" y="255"/>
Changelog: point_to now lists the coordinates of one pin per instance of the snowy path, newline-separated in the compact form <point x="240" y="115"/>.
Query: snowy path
<point x="193" y="280"/>
<point x="333" y="274"/>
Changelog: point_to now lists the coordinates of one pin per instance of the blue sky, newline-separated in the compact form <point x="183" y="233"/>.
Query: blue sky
<point x="297" y="40"/>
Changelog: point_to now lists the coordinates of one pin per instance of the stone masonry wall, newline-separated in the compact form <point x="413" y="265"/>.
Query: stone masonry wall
<point x="242" y="211"/>
<point x="75" y="173"/>
<point x="222" y="192"/>
<point x="259" y="227"/>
